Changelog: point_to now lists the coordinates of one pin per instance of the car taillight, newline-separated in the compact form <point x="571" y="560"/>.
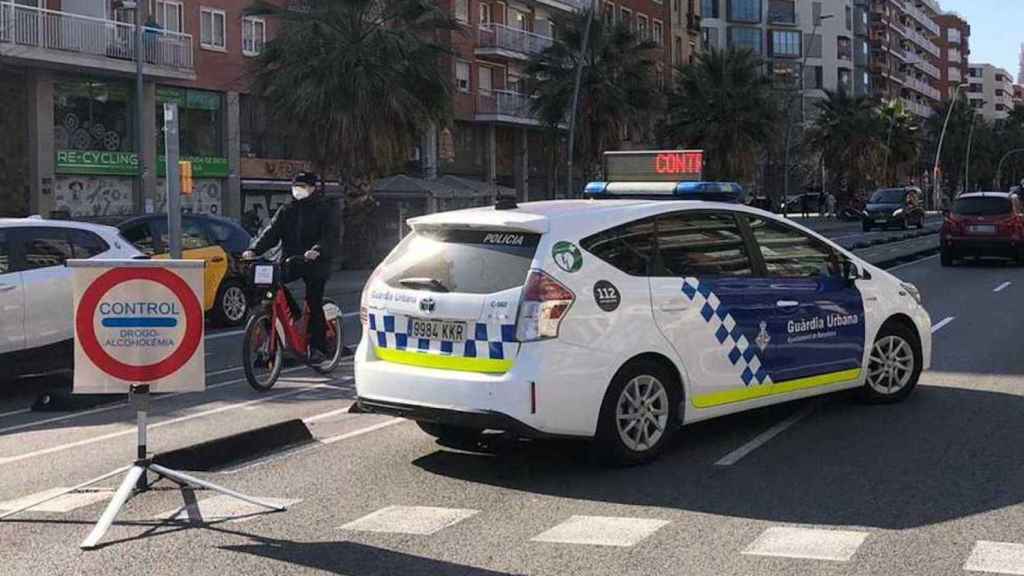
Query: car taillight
<point x="951" y="225"/>
<point x="364" y="308"/>
<point x="545" y="303"/>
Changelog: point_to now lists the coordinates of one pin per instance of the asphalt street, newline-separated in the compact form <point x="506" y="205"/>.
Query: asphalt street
<point x="828" y="486"/>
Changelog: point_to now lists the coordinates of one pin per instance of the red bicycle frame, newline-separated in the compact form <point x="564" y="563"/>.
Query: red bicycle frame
<point x="295" y="334"/>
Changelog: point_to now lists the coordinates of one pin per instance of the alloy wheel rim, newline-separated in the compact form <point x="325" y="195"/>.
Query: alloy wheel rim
<point x="641" y="413"/>
<point x="891" y="365"/>
<point x="234" y="303"/>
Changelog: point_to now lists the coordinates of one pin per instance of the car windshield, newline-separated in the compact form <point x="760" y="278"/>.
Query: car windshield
<point x="982" y="206"/>
<point x="891" y="196"/>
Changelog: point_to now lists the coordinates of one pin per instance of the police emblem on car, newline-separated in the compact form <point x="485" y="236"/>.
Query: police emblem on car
<point x="427" y="305"/>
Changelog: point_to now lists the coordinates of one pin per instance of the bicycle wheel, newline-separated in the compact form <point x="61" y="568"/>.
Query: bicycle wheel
<point x="335" y="339"/>
<point x="262" y="367"/>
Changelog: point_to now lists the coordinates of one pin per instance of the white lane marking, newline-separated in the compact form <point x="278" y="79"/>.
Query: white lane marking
<point x="132" y="430"/>
<point x="762" y="438"/>
<point x="1002" y="286"/>
<point x="601" y="531"/>
<point x="996" y="557"/>
<point x="224" y="334"/>
<point x="942" y="323"/>
<point x="325" y="415"/>
<point x="15" y="412"/>
<point x="419" y="520"/>
<point x="65" y="503"/>
<point x="808" y="543"/>
<point x="124" y="403"/>
<point x="914" y="263"/>
<point x="362" y="431"/>
<point x="224" y="508"/>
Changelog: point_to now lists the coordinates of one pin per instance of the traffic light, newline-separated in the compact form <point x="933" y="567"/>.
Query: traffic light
<point x="185" y="172"/>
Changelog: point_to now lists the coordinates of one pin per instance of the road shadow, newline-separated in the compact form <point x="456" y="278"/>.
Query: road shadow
<point x="353" y="559"/>
<point x="944" y="454"/>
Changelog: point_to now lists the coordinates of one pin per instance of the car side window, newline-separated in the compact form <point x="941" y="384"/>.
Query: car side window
<point x="44" y="247"/>
<point x="85" y="244"/>
<point x="5" y="252"/>
<point x="701" y="244"/>
<point x="629" y="247"/>
<point x="219" y="233"/>
<point x="141" y="237"/>
<point x="193" y="236"/>
<point x="789" y="253"/>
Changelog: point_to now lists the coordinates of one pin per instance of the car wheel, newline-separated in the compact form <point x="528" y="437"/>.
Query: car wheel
<point x="232" y="304"/>
<point x="946" y="257"/>
<point x="639" y="415"/>
<point x="894" y="365"/>
<point x="452" y="436"/>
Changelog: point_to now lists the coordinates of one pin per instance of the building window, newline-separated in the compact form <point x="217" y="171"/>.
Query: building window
<point x="641" y="27"/>
<point x="813" y="46"/>
<point x="462" y="11"/>
<point x="709" y="8"/>
<point x="609" y="14"/>
<point x="658" y="33"/>
<point x="254" y="35"/>
<point x="785" y="43"/>
<point x="627" y="18"/>
<point x="844" y="51"/>
<point x="170" y="15"/>
<point x="200" y="120"/>
<point x="745" y="10"/>
<point x="93" y="115"/>
<point x="782" y="11"/>
<point x="749" y="38"/>
<point x="213" y="29"/>
<point x="813" y="78"/>
<point x="520" y="20"/>
<point x="485" y="82"/>
<point x="462" y="76"/>
<point x="485" y="13"/>
<point x="844" y="80"/>
<point x="849" y="18"/>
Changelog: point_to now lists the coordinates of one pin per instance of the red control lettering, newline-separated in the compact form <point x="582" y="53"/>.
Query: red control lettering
<point x="679" y="163"/>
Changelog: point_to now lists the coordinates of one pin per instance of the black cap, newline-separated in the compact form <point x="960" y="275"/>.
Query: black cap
<point x="306" y="178"/>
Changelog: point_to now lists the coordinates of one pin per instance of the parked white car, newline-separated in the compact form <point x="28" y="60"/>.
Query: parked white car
<point x="36" y="328"/>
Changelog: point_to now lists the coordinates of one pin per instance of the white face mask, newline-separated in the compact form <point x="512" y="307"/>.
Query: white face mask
<point x="300" y="192"/>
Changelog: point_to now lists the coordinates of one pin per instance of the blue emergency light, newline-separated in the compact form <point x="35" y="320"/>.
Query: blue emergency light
<point x="709" y="191"/>
<point x="660" y="175"/>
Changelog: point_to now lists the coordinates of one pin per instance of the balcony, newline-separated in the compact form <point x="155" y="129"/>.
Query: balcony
<point x="565" y="5"/>
<point x="919" y="39"/>
<point x="922" y="87"/>
<point x="922" y="18"/>
<point x="955" y="76"/>
<point x="505" y="107"/>
<point x="917" y="108"/>
<point x="924" y="65"/>
<point x="505" y="41"/>
<point x="35" y="35"/>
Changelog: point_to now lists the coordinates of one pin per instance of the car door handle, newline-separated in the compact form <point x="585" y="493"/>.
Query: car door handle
<point x="7" y="287"/>
<point x="787" y="304"/>
<point x="217" y="259"/>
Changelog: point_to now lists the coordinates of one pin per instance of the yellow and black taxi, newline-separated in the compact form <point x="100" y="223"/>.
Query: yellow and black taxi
<point x="218" y="241"/>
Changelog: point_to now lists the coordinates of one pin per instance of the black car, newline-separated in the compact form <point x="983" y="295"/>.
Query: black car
<point x="900" y="207"/>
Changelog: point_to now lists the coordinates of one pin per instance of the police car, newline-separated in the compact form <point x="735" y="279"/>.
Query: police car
<point x="622" y="319"/>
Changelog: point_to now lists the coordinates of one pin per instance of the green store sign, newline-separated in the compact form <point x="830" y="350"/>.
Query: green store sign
<point x="99" y="163"/>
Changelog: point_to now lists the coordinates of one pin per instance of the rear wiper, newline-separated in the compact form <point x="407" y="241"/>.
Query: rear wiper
<point x="428" y="283"/>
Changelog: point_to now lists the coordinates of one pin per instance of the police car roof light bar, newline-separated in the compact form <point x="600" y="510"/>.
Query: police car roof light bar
<point x="708" y="191"/>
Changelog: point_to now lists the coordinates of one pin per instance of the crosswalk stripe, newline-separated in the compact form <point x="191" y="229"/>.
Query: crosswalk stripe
<point x="602" y="531"/>
<point x="809" y="543"/>
<point x="420" y="520"/>
<point x="996" y="557"/>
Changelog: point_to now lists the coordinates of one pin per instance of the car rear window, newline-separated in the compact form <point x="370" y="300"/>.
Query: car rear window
<point x="468" y="261"/>
<point x="890" y="196"/>
<point x="982" y="206"/>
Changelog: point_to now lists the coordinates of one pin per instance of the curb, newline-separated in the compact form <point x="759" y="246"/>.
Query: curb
<point x="220" y="452"/>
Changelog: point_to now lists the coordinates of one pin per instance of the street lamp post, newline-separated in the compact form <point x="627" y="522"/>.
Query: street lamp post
<point x="999" y="170"/>
<point x="576" y="96"/>
<point x="967" y="157"/>
<point x="789" y="106"/>
<point x="938" y="151"/>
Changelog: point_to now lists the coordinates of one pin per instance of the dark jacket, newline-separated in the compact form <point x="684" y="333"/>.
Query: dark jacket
<point x="303" y="225"/>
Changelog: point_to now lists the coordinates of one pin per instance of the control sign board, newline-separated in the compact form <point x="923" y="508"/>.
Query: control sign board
<point x="138" y="322"/>
<point x="654" y="166"/>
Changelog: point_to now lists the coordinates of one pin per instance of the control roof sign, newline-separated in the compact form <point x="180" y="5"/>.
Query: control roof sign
<point x="138" y="322"/>
<point x="654" y="166"/>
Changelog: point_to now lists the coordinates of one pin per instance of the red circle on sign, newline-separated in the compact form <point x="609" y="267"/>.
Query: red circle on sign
<point x="86" y="330"/>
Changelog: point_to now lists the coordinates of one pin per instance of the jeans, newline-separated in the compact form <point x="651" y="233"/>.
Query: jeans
<point x="315" y="280"/>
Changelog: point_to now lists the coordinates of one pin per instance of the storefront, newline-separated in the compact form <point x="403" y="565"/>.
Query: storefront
<point x="201" y="141"/>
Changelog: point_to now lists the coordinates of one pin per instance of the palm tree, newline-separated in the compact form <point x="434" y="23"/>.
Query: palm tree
<point x="849" y="134"/>
<point x="359" y="77"/>
<point x="902" y="141"/>
<point x="618" y="87"/>
<point x="723" y="104"/>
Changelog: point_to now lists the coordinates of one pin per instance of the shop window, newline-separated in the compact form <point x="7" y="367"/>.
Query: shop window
<point x="94" y="116"/>
<point x="200" y="120"/>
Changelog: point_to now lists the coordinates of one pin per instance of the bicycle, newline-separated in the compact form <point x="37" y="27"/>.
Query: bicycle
<point x="276" y="327"/>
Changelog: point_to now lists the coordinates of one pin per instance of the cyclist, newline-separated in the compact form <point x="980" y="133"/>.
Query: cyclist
<point x="308" y="226"/>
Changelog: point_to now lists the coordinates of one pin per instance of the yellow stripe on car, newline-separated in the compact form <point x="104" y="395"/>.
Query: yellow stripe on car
<point x="754" y="392"/>
<point x="433" y="360"/>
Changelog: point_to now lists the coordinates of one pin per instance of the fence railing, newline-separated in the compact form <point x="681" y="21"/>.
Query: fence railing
<point x="53" y="30"/>
<point x="512" y="39"/>
<point x="505" y="103"/>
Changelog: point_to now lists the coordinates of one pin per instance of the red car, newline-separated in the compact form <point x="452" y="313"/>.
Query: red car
<point x="981" y="225"/>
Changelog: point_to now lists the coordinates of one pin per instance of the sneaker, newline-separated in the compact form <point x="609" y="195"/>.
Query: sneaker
<point x="315" y="356"/>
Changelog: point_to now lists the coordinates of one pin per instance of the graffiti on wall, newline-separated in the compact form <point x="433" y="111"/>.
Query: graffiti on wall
<point x="206" y="197"/>
<point x="86" y="196"/>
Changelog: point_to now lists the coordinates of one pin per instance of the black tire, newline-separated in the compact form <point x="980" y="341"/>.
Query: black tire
<point x="610" y="446"/>
<point x="452" y="436"/>
<point x="900" y="341"/>
<point x="259" y="326"/>
<point x="335" y="347"/>
<point x="946" y="257"/>
<point x="232" y="304"/>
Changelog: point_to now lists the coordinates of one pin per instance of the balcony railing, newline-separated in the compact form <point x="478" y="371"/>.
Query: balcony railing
<point x="954" y="75"/>
<point x="922" y="87"/>
<point x="501" y="37"/>
<point x="922" y="18"/>
<point x="506" y="105"/>
<point x="917" y="108"/>
<point x="919" y="39"/>
<point x="924" y="65"/>
<point x="61" y="31"/>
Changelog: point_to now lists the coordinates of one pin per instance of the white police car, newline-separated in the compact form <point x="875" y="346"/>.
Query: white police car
<point x="622" y="319"/>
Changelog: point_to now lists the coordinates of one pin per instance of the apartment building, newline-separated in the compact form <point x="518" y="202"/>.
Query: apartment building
<point x="685" y="28"/>
<point x="990" y="90"/>
<point x="954" y="51"/>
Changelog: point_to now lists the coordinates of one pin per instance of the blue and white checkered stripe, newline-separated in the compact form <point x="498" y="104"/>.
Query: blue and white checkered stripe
<point x="490" y="341"/>
<point x="742" y="352"/>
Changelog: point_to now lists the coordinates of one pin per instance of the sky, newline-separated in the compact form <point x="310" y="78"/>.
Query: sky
<point x="996" y="30"/>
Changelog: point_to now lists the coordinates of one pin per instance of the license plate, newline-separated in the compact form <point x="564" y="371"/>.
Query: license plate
<point x="437" y="330"/>
<point x="982" y="229"/>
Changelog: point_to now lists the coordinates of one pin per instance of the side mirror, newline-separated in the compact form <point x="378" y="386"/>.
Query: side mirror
<point x="852" y="273"/>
